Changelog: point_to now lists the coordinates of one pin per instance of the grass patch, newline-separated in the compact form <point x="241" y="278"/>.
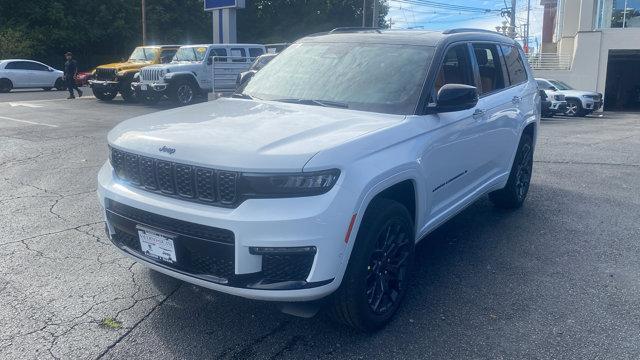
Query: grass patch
<point x="111" y="323"/>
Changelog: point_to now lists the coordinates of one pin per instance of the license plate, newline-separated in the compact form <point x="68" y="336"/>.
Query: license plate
<point x="157" y="245"/>
<point x="143" y="87"/>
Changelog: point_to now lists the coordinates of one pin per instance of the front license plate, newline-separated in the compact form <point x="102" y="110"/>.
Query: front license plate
<point x="157" y="245"/>
<point x="143" y="87"/>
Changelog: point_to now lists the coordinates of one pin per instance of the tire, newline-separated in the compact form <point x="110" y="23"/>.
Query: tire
<point x="104" y="96"/>
<point x="512" y="196"/>
<point x="574" y="108"/>
<point x="127" y="93"/>
<point x="59" y="85"/>
<point x="5" y="85"/>
<point x="183" y="93"/>
<point x="358" y="302"/>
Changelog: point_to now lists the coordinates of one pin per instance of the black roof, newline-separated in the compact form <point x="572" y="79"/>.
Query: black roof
<point x="406" y="37"/>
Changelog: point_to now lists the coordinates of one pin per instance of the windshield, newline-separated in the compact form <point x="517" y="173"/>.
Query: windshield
<point x="190" y="54"/>
<point x="372" y="77"/>
<point x="560" y="85"/>
<point x="143" y="54"/>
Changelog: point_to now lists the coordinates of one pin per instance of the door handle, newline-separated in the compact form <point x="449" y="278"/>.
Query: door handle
<point x="479" y="113"/>
<point x="516" y="99"/>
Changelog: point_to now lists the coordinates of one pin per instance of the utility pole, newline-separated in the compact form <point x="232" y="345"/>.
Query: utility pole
<point x="144" y="25"/>
<point x="364" y="11"/>
<point x="526" y="30"/>
<point x="374" y="22"/>
<point x="512" y="25"/>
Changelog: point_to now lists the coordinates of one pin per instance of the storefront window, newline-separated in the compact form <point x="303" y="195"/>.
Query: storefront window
<point x="618" y="13"/>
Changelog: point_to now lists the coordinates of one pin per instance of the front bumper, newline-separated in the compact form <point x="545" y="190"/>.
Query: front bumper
<point x="591" y="105"/>
<point x="104" y="85"/>
<point x="149" y="87"/>
<point x="318" y="222"/>
<point x="558" y="106"/>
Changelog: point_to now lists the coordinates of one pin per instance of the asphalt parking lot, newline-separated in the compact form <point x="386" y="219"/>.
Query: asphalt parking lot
<point x="557" y="279"/>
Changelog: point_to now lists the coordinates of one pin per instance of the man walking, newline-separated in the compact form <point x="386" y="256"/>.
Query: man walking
<point x="70" y="72"/>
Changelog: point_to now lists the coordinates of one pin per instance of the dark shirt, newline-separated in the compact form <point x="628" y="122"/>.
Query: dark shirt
<point x="70" y="68"/>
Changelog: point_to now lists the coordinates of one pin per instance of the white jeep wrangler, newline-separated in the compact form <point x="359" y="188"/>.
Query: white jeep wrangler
<point x="317" y="179"/>
<point x="195" y="71"/>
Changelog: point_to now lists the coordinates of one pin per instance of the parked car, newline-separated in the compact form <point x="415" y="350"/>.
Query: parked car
<point x="111" y="79"/>
<point x="83" y="77"/>
<point x="258" y="64"/>
<point x="556" y="100"/>
<point x="579" y="103"/>
<point x="545" y="105"/>
<point x="312" y="185"/>
<point x="25" y="74"/>
<point x="195" y="71"/>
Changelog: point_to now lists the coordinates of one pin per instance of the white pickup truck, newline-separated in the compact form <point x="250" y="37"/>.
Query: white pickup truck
<point x="195" y="71"/>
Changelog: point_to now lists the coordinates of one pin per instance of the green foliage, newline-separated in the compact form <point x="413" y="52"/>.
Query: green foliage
<point x="14" y="44"/>
<point x="99" y="31"/>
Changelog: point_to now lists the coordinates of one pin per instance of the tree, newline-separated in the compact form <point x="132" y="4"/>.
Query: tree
<point x="99" y="31"/>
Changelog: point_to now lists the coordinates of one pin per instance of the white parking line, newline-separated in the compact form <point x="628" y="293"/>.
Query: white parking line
<point x="87" y="97"/>
<point x="27" y="122"/>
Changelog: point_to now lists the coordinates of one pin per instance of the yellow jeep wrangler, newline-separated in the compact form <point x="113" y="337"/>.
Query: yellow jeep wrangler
<point x="111" y="79"/>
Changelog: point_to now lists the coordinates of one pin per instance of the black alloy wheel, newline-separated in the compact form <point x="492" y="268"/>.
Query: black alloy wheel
<point x="388" y="267"/>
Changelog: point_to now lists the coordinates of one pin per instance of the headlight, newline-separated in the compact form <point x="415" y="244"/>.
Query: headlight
<point x="121" y="73"/>
<point x="257" y="185"/>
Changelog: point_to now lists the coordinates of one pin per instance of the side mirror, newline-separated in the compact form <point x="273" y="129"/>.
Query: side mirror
<point x="51" y="70"/>
<point x="456" y="97"/>
<point x="209" y="60"/>
<point x="553" y="88"/>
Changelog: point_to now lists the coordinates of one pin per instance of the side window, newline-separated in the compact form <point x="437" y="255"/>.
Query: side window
<point x="167" y="55"/>
<point x="489" y="67"/>
<point x="219" y="52"/>
<point x="455" y="68"/>
<point x="17" y="65"/>
<point x="515" y="67"/>
<point x="255" y="52"/>
<point x="238" y="53"/>
<point x="38" y="67"/>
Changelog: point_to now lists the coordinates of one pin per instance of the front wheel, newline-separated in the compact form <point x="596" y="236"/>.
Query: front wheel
<point x="515" y="192"/>
<point x="183" y="93"/>
<point x="574" y="108"/>
<point x="59" y="85"/>
<point x="5" y="85"/>
<point x="103" y="95"/>
<point x="377" y="276"/>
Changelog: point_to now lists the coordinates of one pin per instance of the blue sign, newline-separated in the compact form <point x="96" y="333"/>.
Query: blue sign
<point x="222" y="4"/>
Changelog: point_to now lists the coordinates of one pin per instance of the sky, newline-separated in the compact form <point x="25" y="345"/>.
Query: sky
<point x="405" y="14"/>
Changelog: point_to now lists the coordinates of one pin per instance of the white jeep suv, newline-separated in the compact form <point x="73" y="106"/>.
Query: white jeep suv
<point x="195" y="71"/>
<point x="316" y="180"/>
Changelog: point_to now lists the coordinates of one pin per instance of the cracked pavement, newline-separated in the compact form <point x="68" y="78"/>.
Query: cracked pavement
<point x="555" y="279"/>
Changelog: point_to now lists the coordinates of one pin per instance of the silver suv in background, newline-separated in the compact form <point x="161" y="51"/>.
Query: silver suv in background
<point x="579" y="103"/>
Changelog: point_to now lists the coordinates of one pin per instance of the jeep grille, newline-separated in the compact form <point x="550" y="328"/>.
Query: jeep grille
<point x="151" y="74"/>
<point x="105" y="74"/>
<point x="187" y="182"/>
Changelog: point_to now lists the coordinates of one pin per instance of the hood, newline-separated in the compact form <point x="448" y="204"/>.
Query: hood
<point x="245" y="135"/>
<point x="177" y="66"/>
<point x="123" y="66"/>
<point x="577" y="93"/>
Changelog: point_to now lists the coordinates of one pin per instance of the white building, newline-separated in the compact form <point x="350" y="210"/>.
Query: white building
<point x="593" y="45"/>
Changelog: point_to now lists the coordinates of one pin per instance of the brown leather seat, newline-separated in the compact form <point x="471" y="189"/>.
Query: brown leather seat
<point x="487" y="72"/>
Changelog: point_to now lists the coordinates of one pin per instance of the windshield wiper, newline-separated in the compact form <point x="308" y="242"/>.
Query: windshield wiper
<point x="325" y="103"/>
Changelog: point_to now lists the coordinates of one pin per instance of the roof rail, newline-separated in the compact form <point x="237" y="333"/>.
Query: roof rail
<point x="463" y="30"/>
<point x="353" y="29"/>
